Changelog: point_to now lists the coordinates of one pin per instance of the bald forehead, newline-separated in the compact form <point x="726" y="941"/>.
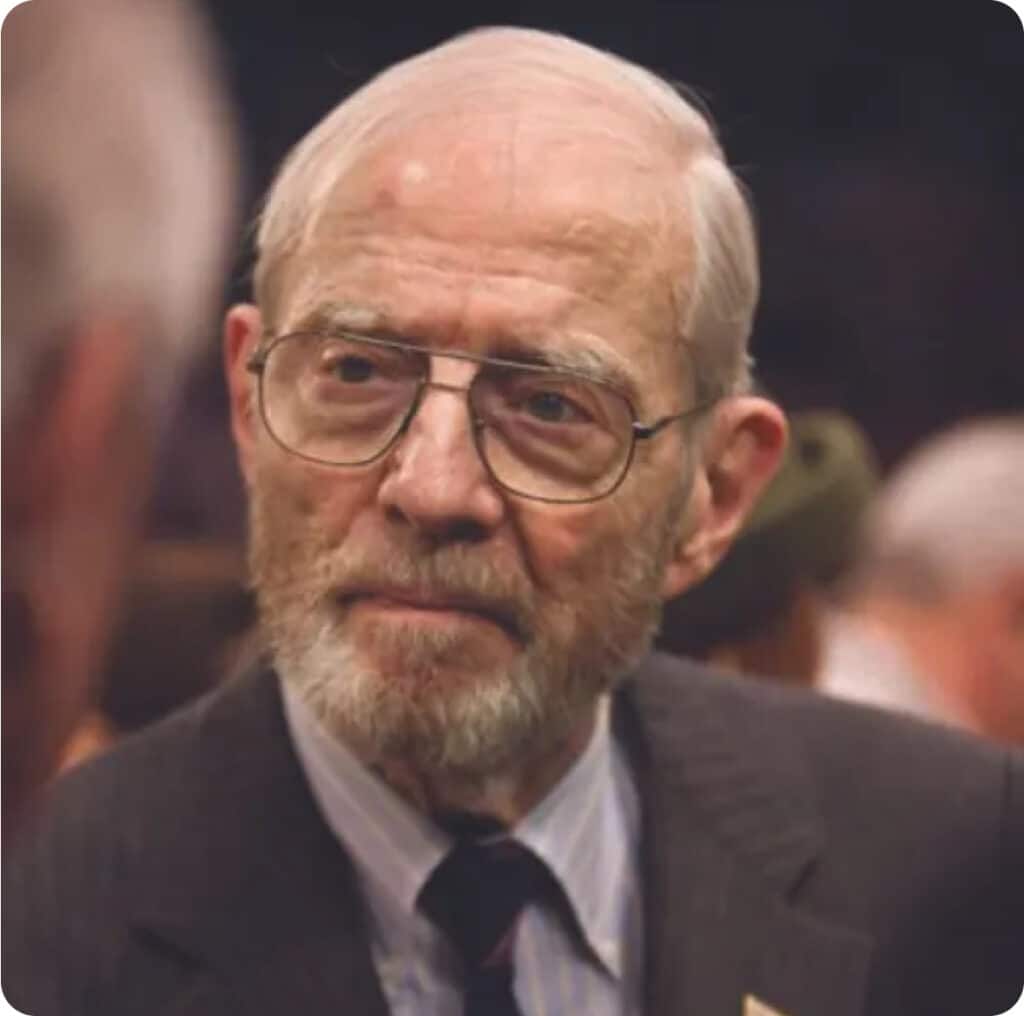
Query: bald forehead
<point x="515" y="164"/>
<point x="503" y="192"/>
<point x="531" y="118"/>
<point x="506" y="138"/>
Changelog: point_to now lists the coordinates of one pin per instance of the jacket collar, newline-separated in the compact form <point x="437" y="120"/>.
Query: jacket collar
<point x="732" y="832"/>
<point x="257" y="896"/>
<point x="729" y="766"/>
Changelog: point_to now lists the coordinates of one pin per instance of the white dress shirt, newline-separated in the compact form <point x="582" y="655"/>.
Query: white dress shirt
<point x="587" y="831"/>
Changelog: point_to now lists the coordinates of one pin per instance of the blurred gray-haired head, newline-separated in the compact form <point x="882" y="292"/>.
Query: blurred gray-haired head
<point x="118" y="184"/>
<point x="952" y="515"/>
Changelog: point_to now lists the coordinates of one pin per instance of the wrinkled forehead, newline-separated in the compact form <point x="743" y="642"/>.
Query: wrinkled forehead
<point x="570" y="182"/>
<point x="516" y="164"/>
<point x="490" y="125"/>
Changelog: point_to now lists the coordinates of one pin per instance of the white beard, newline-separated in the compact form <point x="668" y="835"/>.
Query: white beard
<point x="443" y="701"/>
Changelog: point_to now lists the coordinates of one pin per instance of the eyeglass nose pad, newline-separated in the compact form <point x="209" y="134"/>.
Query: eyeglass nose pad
<point x="414" y="408"/>
<point x="476" y="421"/>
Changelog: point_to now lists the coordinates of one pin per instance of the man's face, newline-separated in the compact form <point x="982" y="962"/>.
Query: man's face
<point x="425" y="613"/>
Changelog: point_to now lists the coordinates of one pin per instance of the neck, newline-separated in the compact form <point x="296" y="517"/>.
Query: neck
<point x="503" y="797"/>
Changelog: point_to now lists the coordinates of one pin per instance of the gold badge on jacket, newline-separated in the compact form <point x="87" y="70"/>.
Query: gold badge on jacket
<point x="753" y="1006"/>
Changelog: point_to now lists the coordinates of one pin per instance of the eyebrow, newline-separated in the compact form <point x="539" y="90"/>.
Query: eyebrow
<point x="334" y="318"/>
<point x="577" y="352"/>
<point x="580" y="353"/>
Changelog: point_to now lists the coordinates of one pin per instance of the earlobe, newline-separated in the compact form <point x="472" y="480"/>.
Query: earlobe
<point x="243" y="328"/>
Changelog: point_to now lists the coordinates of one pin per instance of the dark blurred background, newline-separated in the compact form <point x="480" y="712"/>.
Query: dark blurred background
<point x="883" y="148"/>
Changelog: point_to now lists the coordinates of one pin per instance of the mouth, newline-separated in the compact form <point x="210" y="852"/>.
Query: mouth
<point x="422" y="606"/>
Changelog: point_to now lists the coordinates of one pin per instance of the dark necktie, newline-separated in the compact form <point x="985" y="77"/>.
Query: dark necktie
<point x="476" y="896"/>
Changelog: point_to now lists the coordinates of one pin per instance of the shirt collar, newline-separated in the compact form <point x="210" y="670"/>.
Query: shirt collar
<point x="586" y="829"/>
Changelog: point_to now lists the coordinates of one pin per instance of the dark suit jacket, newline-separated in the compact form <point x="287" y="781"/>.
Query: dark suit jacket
<point x="830" y="861"/>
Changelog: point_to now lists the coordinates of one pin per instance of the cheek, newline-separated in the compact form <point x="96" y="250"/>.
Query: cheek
<point x="310" y="497"/>
<point x="559" y="543"/>
<point x="584" y="552"/>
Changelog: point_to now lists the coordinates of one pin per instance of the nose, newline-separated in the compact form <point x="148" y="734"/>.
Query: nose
<point x="435" y="480"/>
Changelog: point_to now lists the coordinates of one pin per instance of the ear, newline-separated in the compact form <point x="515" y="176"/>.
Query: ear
<point x="78" y="438"/>
<point x="740" y="452"/>
<point x="74" y="475"/>
<point x="243" y="327"/>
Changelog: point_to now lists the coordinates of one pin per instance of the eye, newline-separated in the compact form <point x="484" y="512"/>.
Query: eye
<point x="351" y="368"/>
<point x="552" y="407"/>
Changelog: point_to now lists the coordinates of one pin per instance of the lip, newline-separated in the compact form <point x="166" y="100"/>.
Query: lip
<point x="427" y="603"/>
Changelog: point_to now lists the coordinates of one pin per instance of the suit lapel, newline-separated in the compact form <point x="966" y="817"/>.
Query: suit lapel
<point x="259" y="911"/>
<point x="731" y="830"/>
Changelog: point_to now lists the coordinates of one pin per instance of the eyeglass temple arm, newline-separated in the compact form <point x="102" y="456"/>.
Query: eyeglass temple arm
<point x="642" y="431"/>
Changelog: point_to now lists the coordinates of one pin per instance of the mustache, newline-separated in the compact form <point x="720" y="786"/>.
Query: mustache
<point x="456" y="575"/>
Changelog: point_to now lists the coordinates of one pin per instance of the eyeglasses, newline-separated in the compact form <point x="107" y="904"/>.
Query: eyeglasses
<point x="542" y="432"/>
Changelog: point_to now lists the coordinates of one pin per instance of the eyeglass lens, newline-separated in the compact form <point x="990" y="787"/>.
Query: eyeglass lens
<point x="545" y="434"/>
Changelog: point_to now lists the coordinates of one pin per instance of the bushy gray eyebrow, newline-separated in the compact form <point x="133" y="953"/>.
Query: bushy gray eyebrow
<point x="580" y="353"/>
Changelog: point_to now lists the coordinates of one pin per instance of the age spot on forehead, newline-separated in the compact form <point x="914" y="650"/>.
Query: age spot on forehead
<point x="408" y="179"/>
<point x="414" y="172"/>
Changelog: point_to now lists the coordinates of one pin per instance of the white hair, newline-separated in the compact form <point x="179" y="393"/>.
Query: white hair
<point x="953" y="514"/>
<point x="716" y="300"/>
<point x="118" y="183"/>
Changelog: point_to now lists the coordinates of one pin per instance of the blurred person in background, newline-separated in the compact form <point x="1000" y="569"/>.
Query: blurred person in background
<point x="118" y="169"/>
<point x="187" y="616"/>
<point x="933" y="620"/>
<point x="763" y="610"/>
<point x="492" y="406"/>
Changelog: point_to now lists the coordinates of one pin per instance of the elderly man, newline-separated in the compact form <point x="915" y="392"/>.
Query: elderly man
<point x="117" y="196"/>
<point x="491" y="412"/>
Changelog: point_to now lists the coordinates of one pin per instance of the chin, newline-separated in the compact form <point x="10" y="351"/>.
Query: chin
<point x="455" y="706"/>
<point x="420" y="658"/>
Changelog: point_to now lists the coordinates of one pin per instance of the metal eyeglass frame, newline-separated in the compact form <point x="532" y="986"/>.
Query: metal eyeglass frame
<point x="256" y="364"/>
